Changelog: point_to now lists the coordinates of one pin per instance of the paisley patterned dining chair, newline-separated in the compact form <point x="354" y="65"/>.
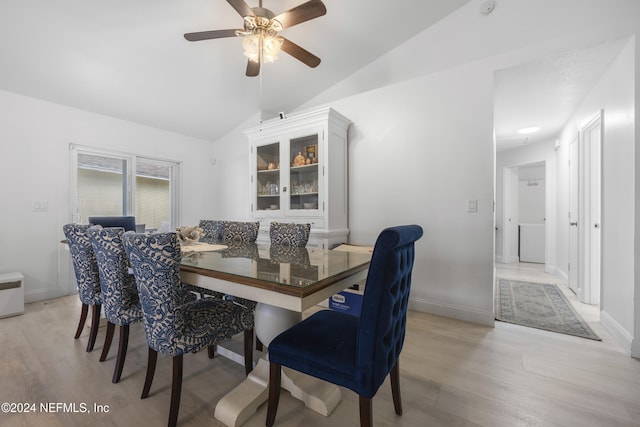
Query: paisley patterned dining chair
<point x="212" y="229"/>
<point x="172" y="327"/>
<point x="119" y="293"/>
<point x="357" y="353"/>
<point x="87" y="278"/>
<point x="239" y="233"/>
<point x="289" y="234"/>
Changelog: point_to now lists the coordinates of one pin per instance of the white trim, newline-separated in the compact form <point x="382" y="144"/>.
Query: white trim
<point x="622" y="337"/>
<point x="456" y="312"/>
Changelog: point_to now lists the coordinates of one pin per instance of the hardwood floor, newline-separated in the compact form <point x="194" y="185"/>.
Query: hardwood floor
<point x="452" y="373"/>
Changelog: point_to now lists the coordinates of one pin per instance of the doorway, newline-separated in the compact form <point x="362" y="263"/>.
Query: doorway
<point x="585" y="200"/>
<point x="525" y="212"/>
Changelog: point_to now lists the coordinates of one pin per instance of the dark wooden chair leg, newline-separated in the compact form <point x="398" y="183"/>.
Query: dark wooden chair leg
<point x="259" y="345"/>
<point x="275" y="372"/>
<point x="176" y="390"/>
<point x="107" y="341"/>
<point x="395" y="388"/>
<point x="83" y="319"/>
<point x="122" y="353"/>
<point x="151" y="369"/>
<point x="95" y="324"/>
<point x="366" y="412"/>
<point x="248" y="351"/>
<point x="211" y="351"/>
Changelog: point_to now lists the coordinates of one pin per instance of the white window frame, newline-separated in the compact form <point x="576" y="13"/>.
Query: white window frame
<point x="130" y="174"/>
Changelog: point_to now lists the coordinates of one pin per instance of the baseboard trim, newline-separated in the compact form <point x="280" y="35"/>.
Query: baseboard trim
<point x="455" y="312"/>
<point x="618" y="333"/>
<point x="42" y="295"/>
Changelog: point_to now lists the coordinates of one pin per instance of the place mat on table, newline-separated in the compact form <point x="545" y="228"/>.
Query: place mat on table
<point x="201" y="247"/>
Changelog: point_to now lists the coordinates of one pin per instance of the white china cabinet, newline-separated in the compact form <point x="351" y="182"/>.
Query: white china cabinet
<point x="299" y="174"/>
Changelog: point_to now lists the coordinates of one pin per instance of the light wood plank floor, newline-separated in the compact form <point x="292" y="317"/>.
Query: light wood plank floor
<point x="452" y="374"/>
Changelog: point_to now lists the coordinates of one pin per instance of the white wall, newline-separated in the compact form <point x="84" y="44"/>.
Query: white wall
<point x="34" y="167"/>
<point x="532" y="201"/>
<point x="614" y="93"/>
<point x="422" y="143"/>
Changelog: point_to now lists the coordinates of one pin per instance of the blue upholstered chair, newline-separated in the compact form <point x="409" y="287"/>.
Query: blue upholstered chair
<point x="355" y="352"/>
<point x="126" y="222"/>
<point x="119" y="293"/>
<point x="239" y="233"/>
<point x="212" y="229"/>
<point x="172" y="327"/>
<point x="87" y="277"/>
<point x="289" y="234"/>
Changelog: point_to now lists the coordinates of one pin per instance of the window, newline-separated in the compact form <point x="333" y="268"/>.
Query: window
<point x="109" y="183"/>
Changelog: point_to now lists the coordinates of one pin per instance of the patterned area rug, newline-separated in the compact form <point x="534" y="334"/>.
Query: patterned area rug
<point x="539" y="305"/>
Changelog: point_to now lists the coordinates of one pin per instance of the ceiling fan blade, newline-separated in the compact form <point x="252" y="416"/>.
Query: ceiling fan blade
<point x="304" y="12"/>
<point x="253" y="68"/>
<point x="300" y="53"/>
<point x="207" y="35"/>
<point x="241" y="7"/>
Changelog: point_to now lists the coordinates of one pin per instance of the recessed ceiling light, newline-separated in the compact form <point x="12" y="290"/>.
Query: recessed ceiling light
<point x="527" y="131"/>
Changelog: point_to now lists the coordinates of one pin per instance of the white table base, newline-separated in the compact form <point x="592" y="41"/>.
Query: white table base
<point x="242" y="402"/>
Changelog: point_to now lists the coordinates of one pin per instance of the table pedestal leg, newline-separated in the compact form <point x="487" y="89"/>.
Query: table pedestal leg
<point x="242" y="402"/>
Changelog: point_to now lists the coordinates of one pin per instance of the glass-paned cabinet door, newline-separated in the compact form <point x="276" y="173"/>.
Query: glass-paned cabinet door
<point x="268" y="177"/>
<point x="303" y="173"/>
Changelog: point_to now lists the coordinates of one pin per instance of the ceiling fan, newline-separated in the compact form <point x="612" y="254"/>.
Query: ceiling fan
<point x="262" y="43"/>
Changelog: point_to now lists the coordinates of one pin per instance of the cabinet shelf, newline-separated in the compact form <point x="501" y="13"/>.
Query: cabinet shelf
<point x="304" y="168"/>
<point x="267" y="171"/>
<point x="269" y="195"/>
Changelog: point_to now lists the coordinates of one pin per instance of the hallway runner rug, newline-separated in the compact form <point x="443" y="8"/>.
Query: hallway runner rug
<point x="539" y="305"/>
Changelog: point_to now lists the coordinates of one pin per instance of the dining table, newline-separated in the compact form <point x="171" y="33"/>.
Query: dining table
<point x="284" y="282"/>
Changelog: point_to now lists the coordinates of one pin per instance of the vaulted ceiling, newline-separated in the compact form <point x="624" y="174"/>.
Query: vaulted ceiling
<point x="128" y="59"/>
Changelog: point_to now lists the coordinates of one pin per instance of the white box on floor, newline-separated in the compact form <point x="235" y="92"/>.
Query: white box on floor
<point x="11" y="294"/>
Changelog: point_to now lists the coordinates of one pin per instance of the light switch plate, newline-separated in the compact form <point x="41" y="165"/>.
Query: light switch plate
<point x="472" y="206"/>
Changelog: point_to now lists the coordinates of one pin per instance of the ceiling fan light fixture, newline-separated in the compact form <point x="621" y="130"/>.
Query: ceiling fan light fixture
<point x="271" y="47"/>
<point x="251" y="46"/>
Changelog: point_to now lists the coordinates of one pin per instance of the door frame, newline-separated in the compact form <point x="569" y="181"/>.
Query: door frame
<point x="590" y="209"/>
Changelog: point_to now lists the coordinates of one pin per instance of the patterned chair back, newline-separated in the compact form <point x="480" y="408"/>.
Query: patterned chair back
<point x="289" y="234"/>
<point x="119" y="293"/>
<point x="239" y="233"/>
<point x="384" y="306"/>
<point x="155" y="260"/>
<point x="212" y="229"/>
<point x="84" y="263"/>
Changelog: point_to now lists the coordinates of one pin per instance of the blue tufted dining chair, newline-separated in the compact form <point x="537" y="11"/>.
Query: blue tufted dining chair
<point x="172" y="327"/>
<point x="126" y="222"/>
<point x="119" y="293"/>
<point x="355" y="352"/>
<point x="289" y="234"/>
<point x="87" y="278"/>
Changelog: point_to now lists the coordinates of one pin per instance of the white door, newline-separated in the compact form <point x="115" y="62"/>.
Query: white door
<point x="592" y="137"/>
<point x="574" y="267"/>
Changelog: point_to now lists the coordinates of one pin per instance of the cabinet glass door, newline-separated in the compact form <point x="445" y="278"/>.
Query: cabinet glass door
<point x="303" y="173"/>
<point x="268" y="177"/>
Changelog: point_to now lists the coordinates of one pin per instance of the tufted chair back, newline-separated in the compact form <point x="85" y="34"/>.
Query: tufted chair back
<point x="120" y="296"/>
<point x="239" y="233"/>
<point x="384" y="307"/>
<point x="155" y="260"/>
<point x="84" y="263"/>
<point x="212" y="229"/>
<point x="355" y="352"/>
<point x="289" y="234"/>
